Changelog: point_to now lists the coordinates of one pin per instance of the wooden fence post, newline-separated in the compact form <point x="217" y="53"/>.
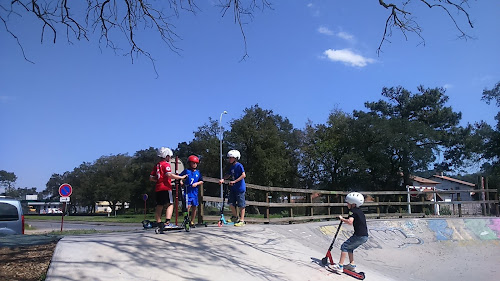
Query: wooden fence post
<point x="266" y="215"/>
<point x="488" y="206"/>
<point x="329" y="207"/>
<point x="378" y="207"/>
<point x="497" y="207"/>
<point x="312" y="207"/>
<point x="459" y="206"/>
<point x="291" y="209"/>
<point x="399" y="199"/>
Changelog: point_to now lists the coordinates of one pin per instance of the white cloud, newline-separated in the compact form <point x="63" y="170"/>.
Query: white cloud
<point x="348" y="57"/>
<point x="325" y="30"/>
<point x="345" y="35"/>
<point x="310" y="5"/>
<point x="447" y="86"/>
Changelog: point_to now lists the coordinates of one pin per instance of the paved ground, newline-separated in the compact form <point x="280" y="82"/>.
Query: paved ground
<point x="412" y="249"/>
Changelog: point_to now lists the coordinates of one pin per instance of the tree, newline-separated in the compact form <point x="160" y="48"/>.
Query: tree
<point x="113" y="179"/>
<point x="7" y="180"/>
<point x="269" y="147"/>
<point x="329" y="158"/>
<point x="142" y="163"/>
<point x="414" y="128"/>
<point x="127" y="18"/>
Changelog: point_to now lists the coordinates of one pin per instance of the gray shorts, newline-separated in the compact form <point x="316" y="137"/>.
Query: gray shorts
<point x="352" y="243"/>
<point x="237" y="199"/>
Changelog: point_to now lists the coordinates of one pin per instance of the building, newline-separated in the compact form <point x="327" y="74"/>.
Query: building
<point x="447" y="183"/>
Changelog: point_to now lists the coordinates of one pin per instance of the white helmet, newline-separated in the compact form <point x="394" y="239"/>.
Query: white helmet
<point x="234" y="153"/>
<point x="163" y="152"/>
<point x="355" y="198"/>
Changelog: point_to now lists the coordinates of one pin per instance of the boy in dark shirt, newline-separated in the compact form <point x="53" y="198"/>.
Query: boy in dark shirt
<point x="357" y="219"/>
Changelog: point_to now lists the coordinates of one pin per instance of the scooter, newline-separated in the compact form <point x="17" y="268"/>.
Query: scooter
<point x="328" y="257"/>
<point x="222" y="220"/>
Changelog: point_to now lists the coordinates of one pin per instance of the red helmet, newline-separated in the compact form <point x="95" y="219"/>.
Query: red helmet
<point x="193" y="159"/>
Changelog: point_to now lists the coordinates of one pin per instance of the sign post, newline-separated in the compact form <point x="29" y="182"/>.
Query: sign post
<point x="65" y="191"/>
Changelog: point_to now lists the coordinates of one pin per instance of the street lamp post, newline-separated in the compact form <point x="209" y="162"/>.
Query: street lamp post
<point x="220" y="138"/>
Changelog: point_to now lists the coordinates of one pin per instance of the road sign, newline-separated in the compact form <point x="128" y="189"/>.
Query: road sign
<point x="64" y="199"/>
<point x="65" y="190"/>
<point x="144" y="197"/>
<point x="413" y="192"/>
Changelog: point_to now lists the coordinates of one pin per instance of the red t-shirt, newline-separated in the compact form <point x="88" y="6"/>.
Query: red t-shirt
<point x="162" y="180"/>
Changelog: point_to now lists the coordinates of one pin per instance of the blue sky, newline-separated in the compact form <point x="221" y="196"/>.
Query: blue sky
<point x="79" y="102"/>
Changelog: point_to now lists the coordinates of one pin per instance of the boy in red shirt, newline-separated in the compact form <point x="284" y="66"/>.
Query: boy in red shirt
<point x="162" y="175"/>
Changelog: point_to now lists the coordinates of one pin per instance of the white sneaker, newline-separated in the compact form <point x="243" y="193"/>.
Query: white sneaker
<point x="338" y="267"/>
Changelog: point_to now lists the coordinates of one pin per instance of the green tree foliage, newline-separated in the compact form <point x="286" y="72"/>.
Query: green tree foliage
<point x="141" y="165"/>
<point x="268" y="144"/>
<point x="7" y="180"/>
<point x="491" y="139"/>
<point x="412" y="130"/>
<point x="329" y="158"/>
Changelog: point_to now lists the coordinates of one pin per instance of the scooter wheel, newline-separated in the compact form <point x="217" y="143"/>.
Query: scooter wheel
<point x="362" y="274"/>
<point x="157" y="230"/>
<point x="324" y="261"/>
<point x="219" y="223"/>
<point x="187" y="228"/>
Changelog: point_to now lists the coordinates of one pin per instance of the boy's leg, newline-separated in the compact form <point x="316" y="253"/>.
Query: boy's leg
<point x="193" y="213"/>
<point x="242" y="204"/>
<point x="168" y="212"/>
<point x="351" y="258"/>
<point x="158" y="210"/>
<point x="242" y="214"/>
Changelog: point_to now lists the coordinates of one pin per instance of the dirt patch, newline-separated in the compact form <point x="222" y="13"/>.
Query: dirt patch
<point x="26" y="262"/>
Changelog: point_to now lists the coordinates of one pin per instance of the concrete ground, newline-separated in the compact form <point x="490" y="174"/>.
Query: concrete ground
<point x="408" y="249"/>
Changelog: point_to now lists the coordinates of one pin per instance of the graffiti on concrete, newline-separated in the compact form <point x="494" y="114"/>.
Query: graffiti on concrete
<point x="391" y="237"/>
<point x="441" y="229"/>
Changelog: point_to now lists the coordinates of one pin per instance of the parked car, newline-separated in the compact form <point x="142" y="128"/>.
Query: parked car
<point x="11" y="216"/>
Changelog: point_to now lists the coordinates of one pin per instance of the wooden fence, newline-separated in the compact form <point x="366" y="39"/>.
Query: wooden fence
<point x="293" y="204"/>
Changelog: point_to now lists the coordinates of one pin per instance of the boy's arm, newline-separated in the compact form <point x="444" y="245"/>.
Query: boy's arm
<point x="176" y="177"/>
<point x="240" y="178"/>
<point x="349" y="220"/>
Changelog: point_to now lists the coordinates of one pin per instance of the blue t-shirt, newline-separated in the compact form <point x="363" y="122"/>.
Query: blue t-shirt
<point x="192" y="177"/>
<point x="236" y="171"/>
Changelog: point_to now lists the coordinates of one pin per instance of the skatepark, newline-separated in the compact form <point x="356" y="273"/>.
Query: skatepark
<point x="400" y="249"/>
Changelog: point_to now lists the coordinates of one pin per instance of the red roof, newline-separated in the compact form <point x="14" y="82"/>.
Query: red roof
<point x="454" y="180"/>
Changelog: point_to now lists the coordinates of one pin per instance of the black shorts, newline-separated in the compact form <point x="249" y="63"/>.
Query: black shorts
<point x="164" y="197"/>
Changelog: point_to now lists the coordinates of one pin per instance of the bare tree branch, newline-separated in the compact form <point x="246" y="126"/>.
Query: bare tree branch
<point x="401" y="19"/>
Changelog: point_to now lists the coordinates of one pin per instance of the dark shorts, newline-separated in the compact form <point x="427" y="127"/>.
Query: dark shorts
<point x="237" y="199"/>
<point x="352" y="243"/>
<point x="164" y="197"/>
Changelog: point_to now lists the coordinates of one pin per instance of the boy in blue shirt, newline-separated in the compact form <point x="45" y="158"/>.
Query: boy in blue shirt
<point x="192" y="183"/>
<point x="238" y="188"/>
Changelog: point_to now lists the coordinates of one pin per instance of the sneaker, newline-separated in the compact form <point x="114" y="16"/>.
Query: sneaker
<point x="191" y="224"/>
<point x="338" y="267"/>
<point x="351" y="267"/>
<point x="161" y="226"/>
<point x="240" y="223"/>
<point x="233" y="219"/>
<point x="170" y="225"/>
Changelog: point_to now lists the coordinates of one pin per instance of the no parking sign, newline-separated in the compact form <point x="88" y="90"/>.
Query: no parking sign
<point x="65" y="190"/>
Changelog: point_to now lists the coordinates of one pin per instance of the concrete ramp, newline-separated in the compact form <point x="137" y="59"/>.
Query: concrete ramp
<point x="462" y="249"/>
<point x="430" y="249"/>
